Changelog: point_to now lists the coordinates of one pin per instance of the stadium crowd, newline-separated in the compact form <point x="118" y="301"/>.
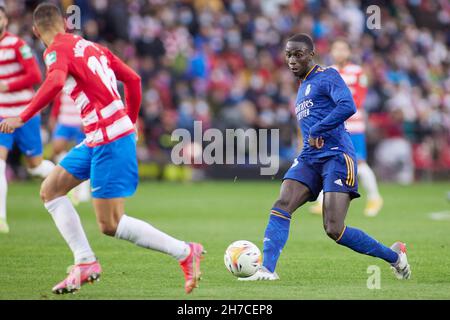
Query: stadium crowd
<point x="222" y="62"/>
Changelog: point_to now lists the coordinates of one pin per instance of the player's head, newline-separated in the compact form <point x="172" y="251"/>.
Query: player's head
<point x="340" y="51"/>
<point x="47" y="18"/>
<point x="299" y="52"/>
<point x="3" y="20"/>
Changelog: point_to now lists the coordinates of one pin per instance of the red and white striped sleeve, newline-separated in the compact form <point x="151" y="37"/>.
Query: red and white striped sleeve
<point x="32" y="74"/>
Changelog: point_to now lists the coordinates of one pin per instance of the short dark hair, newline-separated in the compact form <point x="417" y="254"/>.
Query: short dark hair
<point x="303" y="38"/>
<point x="3" y="9"/>
<point x="46" y="15"/>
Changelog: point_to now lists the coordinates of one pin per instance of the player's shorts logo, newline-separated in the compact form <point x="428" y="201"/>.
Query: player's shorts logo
<point x="95" y="189"/>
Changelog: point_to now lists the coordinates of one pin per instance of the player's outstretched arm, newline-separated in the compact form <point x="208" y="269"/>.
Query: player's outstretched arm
<point x="52" y="85"/>
<point x="132" y="83"/>
<point x="338" y="91"/>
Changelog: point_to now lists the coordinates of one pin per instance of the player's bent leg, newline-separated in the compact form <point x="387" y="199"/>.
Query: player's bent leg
<point x="58" y="183"/>
<point x="39" y="167"/>
<point x="53" y="193"/>
<point x="335" y="210"/>
<point x="4" y="228"/>
<point x="293" y="194"/>
<point x="113" y="221"/>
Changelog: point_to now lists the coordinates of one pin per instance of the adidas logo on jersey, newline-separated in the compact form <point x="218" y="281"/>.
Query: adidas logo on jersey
<point x="339" y="182"/>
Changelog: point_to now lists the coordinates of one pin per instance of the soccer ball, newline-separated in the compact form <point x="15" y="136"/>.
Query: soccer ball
<point x="242" y="258"/>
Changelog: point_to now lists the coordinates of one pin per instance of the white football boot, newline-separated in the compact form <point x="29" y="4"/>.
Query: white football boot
<point x="401" y="268"/>
<point x="262" y="275"/>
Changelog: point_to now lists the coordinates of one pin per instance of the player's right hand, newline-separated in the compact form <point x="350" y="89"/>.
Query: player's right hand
<point x="8" y="125"/>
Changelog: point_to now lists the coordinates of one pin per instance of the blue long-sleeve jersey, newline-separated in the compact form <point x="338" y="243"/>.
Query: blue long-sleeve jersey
<point x="324" y="103"/>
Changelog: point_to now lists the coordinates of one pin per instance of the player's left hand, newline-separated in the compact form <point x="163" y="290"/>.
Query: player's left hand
<point x="317" y="143"/>
<point x="8" y="125"/>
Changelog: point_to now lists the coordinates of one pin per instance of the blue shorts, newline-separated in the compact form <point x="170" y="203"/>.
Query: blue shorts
<point x="112" y="167"/>
<point x="27" y="138"/>
<point x="68" y="133"/>
<point x="332" y="174"/>
<point x="359" y="142"/>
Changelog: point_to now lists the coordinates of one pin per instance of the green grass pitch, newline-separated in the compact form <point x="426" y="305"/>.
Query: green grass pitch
<point x="34" y="257"/>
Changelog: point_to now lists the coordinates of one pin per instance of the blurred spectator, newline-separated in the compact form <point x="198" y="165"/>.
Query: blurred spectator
<point x="222" y="62"/>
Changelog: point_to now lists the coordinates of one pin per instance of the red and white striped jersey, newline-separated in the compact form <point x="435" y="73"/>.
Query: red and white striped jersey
<point x="20" y="71"/>
<point x="87" y="72"/>
<point x="65" y="111"/>
<point x="356" y="81"/>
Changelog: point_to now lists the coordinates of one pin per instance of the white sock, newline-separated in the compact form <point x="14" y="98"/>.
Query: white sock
<point x="368" y="180"/>
<point x="320" y="197"/>
<point x="3" y="189"/>
<point x="144" y="235"/>
<point x="42" y="170"/>
<point x="69" y="225"/>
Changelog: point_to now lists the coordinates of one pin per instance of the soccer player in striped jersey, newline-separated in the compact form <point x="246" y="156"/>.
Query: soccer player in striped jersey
<point x="356" y="80"/>
<point x="327" y="161"/>
<point x="65" y="122"/>
<point x="19" y="72"/>
<point x="87" y="72"/>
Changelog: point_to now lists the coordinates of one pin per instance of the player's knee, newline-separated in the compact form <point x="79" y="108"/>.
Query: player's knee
<point x="46" y="192"/>
<point x="333" y="229"/>
<point x="283" y="203"/>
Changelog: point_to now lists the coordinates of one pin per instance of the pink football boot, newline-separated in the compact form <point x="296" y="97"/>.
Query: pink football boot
<point x="79" y="275"/>
<point x="191" y="267"/>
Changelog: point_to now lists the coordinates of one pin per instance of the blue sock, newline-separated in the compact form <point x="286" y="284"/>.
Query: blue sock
<point x="275" y="237"/>
<point x="361" y="242"/>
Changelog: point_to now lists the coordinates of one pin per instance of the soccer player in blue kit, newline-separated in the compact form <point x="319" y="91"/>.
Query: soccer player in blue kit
<point x="326" y="162"/>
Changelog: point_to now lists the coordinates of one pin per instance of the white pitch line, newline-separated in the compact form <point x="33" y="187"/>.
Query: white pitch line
<point x="440" y="216"/>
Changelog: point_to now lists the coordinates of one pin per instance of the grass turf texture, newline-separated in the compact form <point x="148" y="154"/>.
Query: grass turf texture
<point x="34" y="257"/>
